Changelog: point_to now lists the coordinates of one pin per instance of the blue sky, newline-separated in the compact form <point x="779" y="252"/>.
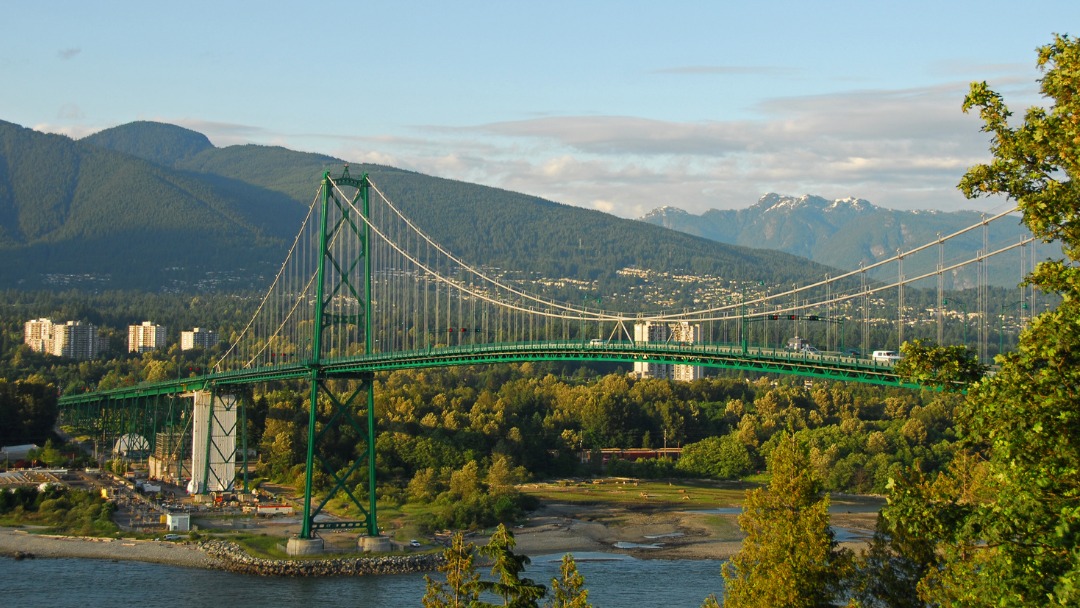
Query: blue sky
<point x="619" y="106"/>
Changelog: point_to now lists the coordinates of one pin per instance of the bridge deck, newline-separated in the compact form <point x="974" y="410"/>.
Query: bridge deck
<point x="726" y="356"/>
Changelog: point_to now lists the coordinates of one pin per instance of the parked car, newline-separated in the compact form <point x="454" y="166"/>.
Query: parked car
<point x="414" y="543"/>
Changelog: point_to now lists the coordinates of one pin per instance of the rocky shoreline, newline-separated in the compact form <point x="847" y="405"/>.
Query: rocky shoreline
<point x="234" y="559"/>
<point x="208" y="554"/>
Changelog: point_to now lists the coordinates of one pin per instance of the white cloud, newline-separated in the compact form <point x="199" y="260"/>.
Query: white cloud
<point x="605" y="206"/>
<point x="70" y="111"/>
<point x="72" y="131"/>
<point x="897" y="148"/>
<point x="901" y="149"/>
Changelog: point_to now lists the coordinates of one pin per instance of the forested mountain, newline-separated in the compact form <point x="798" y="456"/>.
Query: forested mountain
<point x="69" y="209"/>
<point x="848" y="232"/>
<point x="156" y="142"/>
<point x="155" y="206"/>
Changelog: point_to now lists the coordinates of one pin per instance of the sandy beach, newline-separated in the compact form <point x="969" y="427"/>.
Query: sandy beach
<point x="20" y="543"/>
<point x="655" y="534"/>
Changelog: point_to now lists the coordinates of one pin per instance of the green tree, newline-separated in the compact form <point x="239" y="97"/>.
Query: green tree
<point x="568" y="591"/>
<point x="423" y="486"/>
<point x="946" y="367"/>
<point x="507" y="566"/>
<point x="502" y="477"/>
<point x="718" y="457"/>
<point x="462" y="585"/>
<point x="789" y="557"/>
<point x="1006" y="519"/>
<point x="888" y="574"/>
<point x="465" y="482"/>
<point x="28" y="409"/>
<point x="50" y="455"/>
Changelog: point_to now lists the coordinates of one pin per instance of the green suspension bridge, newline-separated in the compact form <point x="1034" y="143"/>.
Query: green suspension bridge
<point x="364" y="290"/>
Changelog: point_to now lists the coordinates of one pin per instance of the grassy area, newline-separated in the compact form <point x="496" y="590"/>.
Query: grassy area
<point x="640" y="493"/>
<point x="260" y="545"/>
<point x="722" y="527"/>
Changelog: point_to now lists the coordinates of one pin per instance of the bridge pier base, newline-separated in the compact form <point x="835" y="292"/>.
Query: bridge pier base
<point x="374" y="544"/>
<point x="297" y="546"/>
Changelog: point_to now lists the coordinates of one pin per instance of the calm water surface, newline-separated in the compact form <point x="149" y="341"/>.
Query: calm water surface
<point x="614" y="581"/>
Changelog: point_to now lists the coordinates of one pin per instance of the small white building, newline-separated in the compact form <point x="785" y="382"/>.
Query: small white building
<point x="178" y="522"/>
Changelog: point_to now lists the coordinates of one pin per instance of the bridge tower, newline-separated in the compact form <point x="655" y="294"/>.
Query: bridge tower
<point x="343" y="297"/>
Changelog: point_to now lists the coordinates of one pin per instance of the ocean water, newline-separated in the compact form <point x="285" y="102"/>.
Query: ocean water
<point x="613" y="581"/>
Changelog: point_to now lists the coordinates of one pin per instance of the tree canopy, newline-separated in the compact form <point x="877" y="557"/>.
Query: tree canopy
<point x="789" y="557"/>
<point x="1004" y="521"/>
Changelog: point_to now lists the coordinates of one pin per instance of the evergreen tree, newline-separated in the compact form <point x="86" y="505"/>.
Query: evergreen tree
<point x="508" y="566"/>
<point x="462" y="586"/>
<point x="568" y="591"/>
<point x="789" y="557"/>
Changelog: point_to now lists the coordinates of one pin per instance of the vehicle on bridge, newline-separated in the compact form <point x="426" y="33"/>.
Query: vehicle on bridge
<point x="886" y="356"/>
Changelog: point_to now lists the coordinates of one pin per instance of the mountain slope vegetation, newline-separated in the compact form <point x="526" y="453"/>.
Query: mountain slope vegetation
<point x="156" y="206"/>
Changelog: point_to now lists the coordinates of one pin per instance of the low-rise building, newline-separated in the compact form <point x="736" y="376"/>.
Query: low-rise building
<point x="178" y="522"/>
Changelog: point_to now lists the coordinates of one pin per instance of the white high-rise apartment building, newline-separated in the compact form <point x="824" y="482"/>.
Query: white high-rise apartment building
<point x="72" y="339"/>
<point x="77" y="341"/>
<point x="666" y="333"/>
<point x="198" y="338"/>
<point x="37" y="334"/>
<point x="145" y="337"/>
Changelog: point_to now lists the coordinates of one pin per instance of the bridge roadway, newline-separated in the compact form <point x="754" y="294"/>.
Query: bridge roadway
<point x="726" y="356"/>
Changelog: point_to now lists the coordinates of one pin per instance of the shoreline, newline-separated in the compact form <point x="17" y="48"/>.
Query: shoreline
<point x="554" y="529"/>
<point x="22" y="544"/>
<point x="656" y="534"/>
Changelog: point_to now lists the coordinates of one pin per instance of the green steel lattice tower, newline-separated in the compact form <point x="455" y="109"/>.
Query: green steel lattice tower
<point x="331" y="286"/>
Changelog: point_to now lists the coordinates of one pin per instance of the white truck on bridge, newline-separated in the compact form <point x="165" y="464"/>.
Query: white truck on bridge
<point x="886" y="356"/>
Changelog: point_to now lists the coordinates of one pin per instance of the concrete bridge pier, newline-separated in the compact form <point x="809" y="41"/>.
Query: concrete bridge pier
<point x="297" y="547"/>
<point x="374" y="544"/>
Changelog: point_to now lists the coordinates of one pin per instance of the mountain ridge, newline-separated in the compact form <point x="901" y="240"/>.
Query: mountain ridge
<point x="156" y="206"/>
<point x="846" y="233"/>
